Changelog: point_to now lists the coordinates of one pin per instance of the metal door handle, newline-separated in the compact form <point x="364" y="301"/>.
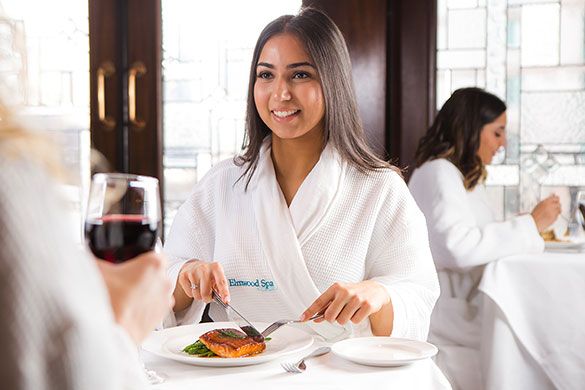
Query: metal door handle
<point x="136" y="70"/>
<point x="105" y="70"/>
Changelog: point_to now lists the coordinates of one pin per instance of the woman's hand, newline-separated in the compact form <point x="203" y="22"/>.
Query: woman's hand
<point x="343" y="302"/>
<point x="196" y="281"/>
<point x="140" y="293"/>
<point x="546" y="212"/>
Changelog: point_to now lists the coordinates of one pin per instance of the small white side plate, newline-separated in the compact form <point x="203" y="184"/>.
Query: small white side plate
<point x="169" y="343"/>
<point x="383" y="351"/>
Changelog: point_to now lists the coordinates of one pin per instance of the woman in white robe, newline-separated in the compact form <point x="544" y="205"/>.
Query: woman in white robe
<point x="448" y="185"/>
<point x="307" y="218"/>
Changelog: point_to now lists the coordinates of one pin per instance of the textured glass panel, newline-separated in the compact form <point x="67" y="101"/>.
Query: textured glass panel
<point x="572" y="32"/>
<point x="521" y="2"/>
<point x="463" y="78"/>
<point x="496" y="48"/>
<point x="457" y="59"/>
<point x="443" y="87"/>
<point x="178" y="184"/>
<point x="540" y="34"/>
<point x="452" y="4"/>
<point x="441" y="24"/>
<point x="573" y="175"/>
<point x="480" y="82"/>
<point x="495" y="196"/>
<point x="188" y="126"/>
<point x="513" y="103"/>
<point x="503" y="175"/>
<point x="553" y="117"/>
<point x="512" y="202"/>
<point x="514" y="15"/>
<point x="555" y="148"/>
<point x="467" y="28"/>
<point x="553" y="78"/>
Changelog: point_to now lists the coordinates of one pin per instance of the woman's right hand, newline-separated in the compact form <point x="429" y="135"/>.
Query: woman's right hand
<point x="546" y="212"/>
<point x="196" y="280"/>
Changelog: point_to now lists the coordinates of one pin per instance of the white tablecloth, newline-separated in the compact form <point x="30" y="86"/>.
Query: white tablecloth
<point x="534" y="322"/>
<point x="324" y="372"/>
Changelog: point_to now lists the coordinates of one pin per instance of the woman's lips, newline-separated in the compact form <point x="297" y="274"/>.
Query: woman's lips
<point x="284" y="115"/>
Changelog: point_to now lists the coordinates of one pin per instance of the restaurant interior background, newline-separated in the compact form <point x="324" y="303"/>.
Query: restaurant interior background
<point x="158" y="87"/>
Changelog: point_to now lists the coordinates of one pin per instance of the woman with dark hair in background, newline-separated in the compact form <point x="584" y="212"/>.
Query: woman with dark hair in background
<point x="448" y="185"/>
<point x="307" y="218"/>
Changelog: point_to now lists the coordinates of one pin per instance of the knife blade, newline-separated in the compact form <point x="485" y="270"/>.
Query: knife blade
<point x="240" y="320"/>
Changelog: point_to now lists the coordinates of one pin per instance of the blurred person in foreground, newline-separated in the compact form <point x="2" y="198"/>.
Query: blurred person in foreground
<point x="68" y="321"/>
<point x="449" y="186"/>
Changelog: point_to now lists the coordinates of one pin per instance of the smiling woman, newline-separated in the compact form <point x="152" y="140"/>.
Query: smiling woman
<point x="306" y="205"/>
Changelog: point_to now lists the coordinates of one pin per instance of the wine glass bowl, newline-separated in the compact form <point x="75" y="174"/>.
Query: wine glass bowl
<point x="123" y="216"/>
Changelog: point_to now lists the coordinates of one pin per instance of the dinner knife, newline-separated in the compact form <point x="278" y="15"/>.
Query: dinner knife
<point x="240" y="320"/>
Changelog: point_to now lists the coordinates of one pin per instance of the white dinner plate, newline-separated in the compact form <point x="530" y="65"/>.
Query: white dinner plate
<point x="169" y="343"/>
<point x="574" y="243"/>
<point x="383" y="351"/>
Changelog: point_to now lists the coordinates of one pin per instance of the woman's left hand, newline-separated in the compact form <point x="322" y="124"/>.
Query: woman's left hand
<point x="343" y="302"/>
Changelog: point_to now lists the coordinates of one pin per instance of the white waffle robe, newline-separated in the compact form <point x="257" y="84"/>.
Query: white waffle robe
<point x="464" y="235"/>
<point x="342" y="226"/>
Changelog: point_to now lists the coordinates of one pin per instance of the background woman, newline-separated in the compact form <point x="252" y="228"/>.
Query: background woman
<point x="448" y="185"/>
<point x="307" y="218"/>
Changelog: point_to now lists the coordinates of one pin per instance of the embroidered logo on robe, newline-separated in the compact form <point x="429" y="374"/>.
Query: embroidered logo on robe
<point x="260" y="284"/>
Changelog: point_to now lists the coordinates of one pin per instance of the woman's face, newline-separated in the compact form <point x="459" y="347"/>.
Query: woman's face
<point x="287" y="91"/>
<point x="492" y="137"/>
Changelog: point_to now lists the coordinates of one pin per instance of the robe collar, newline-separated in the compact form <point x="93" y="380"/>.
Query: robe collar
<point x="284" y="230"/>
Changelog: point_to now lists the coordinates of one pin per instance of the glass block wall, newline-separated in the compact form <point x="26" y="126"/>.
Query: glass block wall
<point x="531" y="53"/>
<point x="206" y="59"/>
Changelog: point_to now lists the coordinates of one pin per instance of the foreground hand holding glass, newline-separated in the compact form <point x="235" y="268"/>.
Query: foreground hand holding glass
<point x="122" y="223"/>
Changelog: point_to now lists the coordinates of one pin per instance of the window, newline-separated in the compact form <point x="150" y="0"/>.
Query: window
<point x="531" y="53"/>
<point x="45" y="59"/>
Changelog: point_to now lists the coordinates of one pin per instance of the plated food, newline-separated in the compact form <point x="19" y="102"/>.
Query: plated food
<point x="225" y="343"/>
<point x="170" y="343"/>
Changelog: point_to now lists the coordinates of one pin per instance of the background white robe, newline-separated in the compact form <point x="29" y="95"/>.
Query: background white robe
<point x="464" y="235"/>
<point x="342" y="226"/>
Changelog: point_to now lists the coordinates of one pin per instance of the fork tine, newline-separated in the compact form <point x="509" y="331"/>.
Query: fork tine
<point x="290" y="367"/>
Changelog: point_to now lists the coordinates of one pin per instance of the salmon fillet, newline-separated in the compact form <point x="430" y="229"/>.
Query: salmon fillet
<point x="231" y="343"/>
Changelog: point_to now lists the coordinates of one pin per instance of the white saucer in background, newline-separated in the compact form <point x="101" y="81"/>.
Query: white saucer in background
<point x="383" y="351"/>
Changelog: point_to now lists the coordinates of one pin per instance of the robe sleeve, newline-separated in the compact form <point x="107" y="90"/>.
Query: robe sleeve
<point x="457" y="242"/>
<point x="402" y="262"/>
<point x="186" y="242"/>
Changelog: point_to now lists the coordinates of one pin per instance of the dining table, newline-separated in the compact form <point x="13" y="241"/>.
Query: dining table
<point x="533" y="321"/>
<point x="323" y="372"/>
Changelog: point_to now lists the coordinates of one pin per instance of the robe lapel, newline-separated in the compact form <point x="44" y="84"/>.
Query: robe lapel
<point x="278" y="235"/>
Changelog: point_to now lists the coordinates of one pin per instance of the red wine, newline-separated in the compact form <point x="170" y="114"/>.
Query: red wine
<point x="117" y="238"/>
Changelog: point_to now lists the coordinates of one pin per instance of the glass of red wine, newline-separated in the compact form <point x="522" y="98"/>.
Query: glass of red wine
<point x="123" y="216"/>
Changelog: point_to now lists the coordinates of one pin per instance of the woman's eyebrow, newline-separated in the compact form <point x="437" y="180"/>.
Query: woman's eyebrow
<point x="299" y="64"/>
<point x="290" y="66"/>
<point x="265" y="64"/>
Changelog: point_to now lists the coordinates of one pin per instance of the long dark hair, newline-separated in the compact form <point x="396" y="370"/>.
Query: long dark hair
<point x="455" y="133"/>
<point x="342" y="125"/>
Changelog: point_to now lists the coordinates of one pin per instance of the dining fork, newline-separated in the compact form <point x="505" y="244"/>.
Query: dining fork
<point x="277" y="324"/>
<point x="300" y="366"/>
